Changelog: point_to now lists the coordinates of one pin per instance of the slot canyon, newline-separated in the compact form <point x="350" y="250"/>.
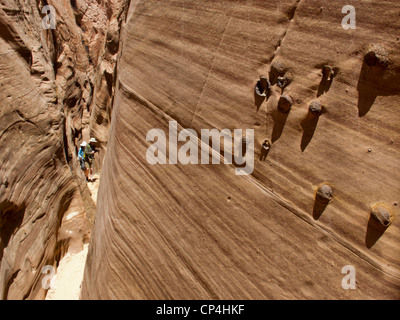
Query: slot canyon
<point x="321" y="100"/>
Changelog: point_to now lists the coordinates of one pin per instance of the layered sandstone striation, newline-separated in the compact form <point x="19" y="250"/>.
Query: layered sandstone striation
<point x="323" y="196"/>
<point x="51" y="89"/>
<point x="200" y="231"/>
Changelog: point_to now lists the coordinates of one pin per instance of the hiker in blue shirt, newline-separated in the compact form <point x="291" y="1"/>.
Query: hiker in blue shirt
<point x="81" y="156"/>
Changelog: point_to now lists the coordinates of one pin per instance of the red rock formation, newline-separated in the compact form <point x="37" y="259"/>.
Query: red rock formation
<point x="47" y="100"/>
<point x="200" y="231"/>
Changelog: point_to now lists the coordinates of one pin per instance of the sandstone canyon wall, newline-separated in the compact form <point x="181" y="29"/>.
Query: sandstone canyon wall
<point x="200" y="231"/>
<point x="54" y="94"/>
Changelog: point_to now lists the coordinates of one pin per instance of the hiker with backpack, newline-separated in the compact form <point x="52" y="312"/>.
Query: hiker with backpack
<point x="89" y="157"/>
<point x="81" y="156"/>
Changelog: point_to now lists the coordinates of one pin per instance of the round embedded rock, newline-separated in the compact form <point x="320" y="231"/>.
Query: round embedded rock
<point x="285" y="103"/>
<point x="376" y="56"/>
<point x="277" y="69"/>
<point x="283" y="81"/>
<point x="324" y="193"/>
<point x="382" y="216"/>
<point x="315" y="107"/>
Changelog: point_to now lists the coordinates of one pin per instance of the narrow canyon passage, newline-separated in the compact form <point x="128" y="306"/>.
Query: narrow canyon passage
<point x="69" y="274"/>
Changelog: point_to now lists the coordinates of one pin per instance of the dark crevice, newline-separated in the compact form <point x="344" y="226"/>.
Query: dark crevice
<point x="110" y="82"/>
<point x="8" y="285"/>
<point x="11" y="217"/>
<point x="73" y="4"/>
<point x="291" y="14"/>
<point x="67" y="156"/>
<point x="292" y="11"/>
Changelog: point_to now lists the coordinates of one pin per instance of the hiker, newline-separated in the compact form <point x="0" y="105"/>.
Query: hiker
<point x="89" y="156"/>
<point x="81" y="156"/>
<point x="266" y="145"/>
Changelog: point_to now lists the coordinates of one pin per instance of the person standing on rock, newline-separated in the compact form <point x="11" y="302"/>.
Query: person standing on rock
<point x="89" y="156"/>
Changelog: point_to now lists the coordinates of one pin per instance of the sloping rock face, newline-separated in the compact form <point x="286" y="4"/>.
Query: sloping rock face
<point x="50" y="85"/>
<point x="200" y="231"/>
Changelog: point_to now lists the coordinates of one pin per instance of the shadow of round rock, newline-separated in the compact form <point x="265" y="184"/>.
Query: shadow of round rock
<point x="309" y="124"/>
<point x="379" y="76"/>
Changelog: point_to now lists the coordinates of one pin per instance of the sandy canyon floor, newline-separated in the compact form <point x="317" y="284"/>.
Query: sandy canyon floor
<point x="67" y="282"/>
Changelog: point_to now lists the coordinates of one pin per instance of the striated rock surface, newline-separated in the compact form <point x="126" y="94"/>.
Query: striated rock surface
<point x="50" y="90"/>
<point x="200" y="231"/>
